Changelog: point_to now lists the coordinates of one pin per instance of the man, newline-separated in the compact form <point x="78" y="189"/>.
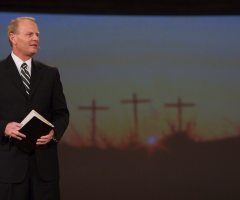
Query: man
<point x="26" y="84"/>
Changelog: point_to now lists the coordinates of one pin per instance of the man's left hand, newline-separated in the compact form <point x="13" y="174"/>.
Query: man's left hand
<point x="45" y="138"/>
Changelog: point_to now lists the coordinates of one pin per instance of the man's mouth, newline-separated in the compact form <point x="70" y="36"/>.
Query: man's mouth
<point x="34" y="45"/>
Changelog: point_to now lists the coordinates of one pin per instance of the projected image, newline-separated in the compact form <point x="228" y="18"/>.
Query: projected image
<point x="138" y="86"/>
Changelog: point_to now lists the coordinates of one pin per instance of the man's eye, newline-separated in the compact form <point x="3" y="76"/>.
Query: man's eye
<point x="29" y="34"/>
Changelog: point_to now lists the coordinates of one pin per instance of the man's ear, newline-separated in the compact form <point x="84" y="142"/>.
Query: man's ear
<point x="11" y="37"/>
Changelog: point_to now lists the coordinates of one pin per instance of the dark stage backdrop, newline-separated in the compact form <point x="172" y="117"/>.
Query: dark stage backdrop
<point x="154" y="103"/>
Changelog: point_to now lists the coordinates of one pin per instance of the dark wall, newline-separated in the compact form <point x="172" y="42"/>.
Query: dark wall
<point x="150" y="7"/>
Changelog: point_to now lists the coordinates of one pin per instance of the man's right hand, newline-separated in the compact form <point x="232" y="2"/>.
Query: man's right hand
<point x="12" y="130"/>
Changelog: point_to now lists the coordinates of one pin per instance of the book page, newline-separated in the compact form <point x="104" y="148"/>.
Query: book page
<point x="32" y="114"/>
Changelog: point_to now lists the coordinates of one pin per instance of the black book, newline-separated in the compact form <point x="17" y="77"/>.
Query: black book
<point x="34" y="126"/>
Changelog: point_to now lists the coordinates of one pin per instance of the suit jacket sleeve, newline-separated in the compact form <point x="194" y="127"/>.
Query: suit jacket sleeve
<point x="60" y="113"/>
<point x="3" y="125"/>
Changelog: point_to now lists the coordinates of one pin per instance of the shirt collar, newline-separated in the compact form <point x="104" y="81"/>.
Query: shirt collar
<point x="19" y="62"/>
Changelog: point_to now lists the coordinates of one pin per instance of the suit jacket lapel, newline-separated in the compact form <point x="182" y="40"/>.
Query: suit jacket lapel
<point x="14" y="75"/>
<point x="36" y="75"/>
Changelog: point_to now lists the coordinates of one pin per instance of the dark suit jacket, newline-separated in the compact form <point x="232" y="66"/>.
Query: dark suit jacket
<point x="47" y="98"/>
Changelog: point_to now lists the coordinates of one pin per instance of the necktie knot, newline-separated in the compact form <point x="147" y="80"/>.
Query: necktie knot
<point x="24" y="66"/>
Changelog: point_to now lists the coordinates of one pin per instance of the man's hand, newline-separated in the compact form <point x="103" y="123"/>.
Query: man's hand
<point x="12" y="130"/>
<point x="45" y="138"/>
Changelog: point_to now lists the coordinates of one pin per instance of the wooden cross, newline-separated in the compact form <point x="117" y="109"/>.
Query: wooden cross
<point x="179" y="105"/>
<point x="93" y="108"/>
<point x="135" y="101"/>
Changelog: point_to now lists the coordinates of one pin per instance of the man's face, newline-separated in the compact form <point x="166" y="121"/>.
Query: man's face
<point x="25" y="41"/>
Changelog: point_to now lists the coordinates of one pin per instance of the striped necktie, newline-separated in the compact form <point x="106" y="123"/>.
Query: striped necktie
<point x="25" y="77"/>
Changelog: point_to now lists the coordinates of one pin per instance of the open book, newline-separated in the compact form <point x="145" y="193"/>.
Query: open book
<point x="34" y="126"/>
